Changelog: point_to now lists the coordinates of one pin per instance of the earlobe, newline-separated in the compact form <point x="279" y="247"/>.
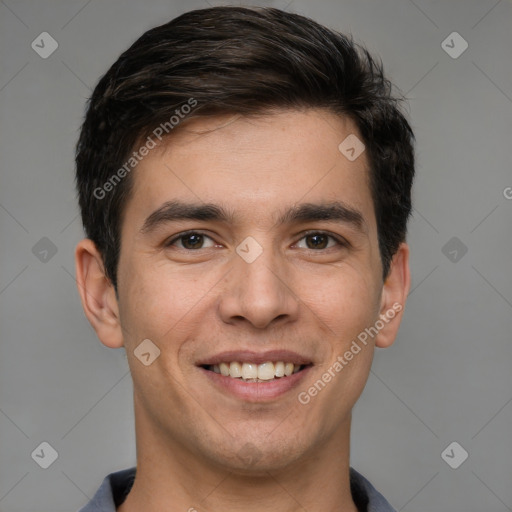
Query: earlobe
<point x="394" y="295"/>
<point x="97" y="294"/>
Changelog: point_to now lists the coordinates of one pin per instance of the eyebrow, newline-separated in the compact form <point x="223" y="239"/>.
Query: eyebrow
<point x="305" y="212"/>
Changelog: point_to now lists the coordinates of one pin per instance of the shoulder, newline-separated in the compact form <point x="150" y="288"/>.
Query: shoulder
<point x="366" y="497"/>
<point x="112" y="491"/>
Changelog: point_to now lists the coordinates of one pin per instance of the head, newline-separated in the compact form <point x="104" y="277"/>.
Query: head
<point x="246" y="109"/>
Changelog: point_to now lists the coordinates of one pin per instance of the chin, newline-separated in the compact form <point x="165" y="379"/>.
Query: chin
<point x="258" y="457"/>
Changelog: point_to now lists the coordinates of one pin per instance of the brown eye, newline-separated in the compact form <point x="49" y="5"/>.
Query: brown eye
<point x="190" y="241"/>
<point x="319" y="240"/>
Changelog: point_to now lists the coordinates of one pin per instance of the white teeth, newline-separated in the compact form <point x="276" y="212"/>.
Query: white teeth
<point x="235" y="370"/>
<point x="256" y="372"/>
<point x="224" y="369"/>
<point x="279" y="369"/>
<point x="266" y="371"/>
<point x="249" y="371"/>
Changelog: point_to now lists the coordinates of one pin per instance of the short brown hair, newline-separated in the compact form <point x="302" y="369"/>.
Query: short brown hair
<point x="245" y="61"/>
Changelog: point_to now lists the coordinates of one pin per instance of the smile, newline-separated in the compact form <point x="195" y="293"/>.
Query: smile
<point x="252" y="372"/>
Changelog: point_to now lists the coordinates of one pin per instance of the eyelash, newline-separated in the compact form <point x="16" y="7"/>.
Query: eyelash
<point x="340" y="241"/>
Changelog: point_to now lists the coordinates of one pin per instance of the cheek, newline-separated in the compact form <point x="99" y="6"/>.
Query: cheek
<point x="161" y="303"/>
<point x="345" y="300"/>
<point x="347" y="303"/>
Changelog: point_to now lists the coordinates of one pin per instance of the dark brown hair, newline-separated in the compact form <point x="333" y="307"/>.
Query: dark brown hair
<point x="237" y="60"/>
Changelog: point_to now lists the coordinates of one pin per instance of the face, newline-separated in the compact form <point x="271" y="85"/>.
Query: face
<point x="246" y="244"/>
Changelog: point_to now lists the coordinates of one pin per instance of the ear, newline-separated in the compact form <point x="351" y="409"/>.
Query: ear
<point x="394" y="294"/>
<point x="97" y="294"/>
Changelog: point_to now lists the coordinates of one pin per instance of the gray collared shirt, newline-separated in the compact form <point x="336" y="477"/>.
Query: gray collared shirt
<point x="116" y="486"/>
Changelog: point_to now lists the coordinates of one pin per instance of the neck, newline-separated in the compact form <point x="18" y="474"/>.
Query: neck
<point x="170" y="477"/>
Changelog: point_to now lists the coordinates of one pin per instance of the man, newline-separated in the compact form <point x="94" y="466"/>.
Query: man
<point x="244" y="177"/>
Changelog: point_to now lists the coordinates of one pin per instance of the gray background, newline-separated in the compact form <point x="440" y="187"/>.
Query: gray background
<point x="447" y="377"/>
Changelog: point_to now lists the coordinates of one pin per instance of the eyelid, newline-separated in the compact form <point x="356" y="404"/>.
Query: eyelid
<point x="339" y="240"/>
<point x="342" y="242"/>
<point x="175" y="238"/>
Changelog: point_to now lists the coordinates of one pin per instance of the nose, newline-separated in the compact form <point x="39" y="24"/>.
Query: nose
<point x="259" y="292"/>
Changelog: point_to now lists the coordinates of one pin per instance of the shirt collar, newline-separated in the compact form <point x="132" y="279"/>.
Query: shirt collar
<point x="116" y="486"/>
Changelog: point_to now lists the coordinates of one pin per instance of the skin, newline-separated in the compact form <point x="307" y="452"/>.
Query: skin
<point x="193" y="303"/>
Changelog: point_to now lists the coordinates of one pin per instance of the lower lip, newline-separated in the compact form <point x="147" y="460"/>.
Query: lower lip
<point x="256" y="391"/>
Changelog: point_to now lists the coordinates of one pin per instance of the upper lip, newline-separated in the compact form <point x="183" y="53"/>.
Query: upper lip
<point x="249" y="356"/>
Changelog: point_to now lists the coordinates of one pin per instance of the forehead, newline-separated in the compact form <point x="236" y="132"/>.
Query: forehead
<point x="255" y="165"/>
